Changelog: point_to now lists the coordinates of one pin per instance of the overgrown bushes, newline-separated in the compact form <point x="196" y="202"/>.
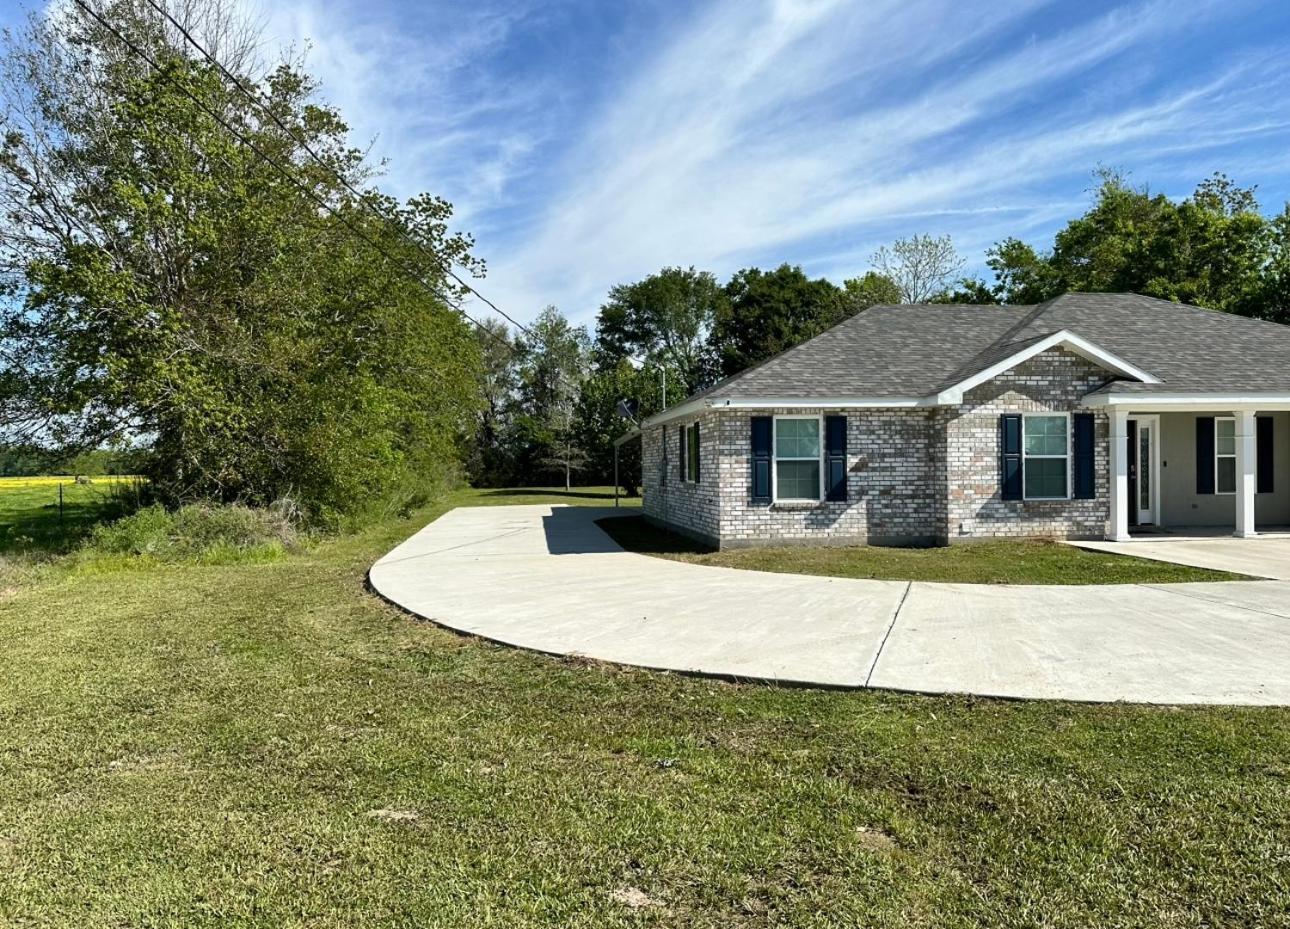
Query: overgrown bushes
<point x="198" y="533"/>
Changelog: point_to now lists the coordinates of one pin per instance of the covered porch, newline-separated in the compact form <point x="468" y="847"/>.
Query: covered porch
<point x="1189" y="468"/>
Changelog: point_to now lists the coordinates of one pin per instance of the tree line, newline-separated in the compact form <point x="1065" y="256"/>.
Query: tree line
<point x="550" y="398"/>
<point x="197" y="270"/>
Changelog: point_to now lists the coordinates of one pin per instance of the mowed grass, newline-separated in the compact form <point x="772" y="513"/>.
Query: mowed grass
<point x="270" y="745"/>
<point x="31" y="521"/>
<point x="1021" y="562"/>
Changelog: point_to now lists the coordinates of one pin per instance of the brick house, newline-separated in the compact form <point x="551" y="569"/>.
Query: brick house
<point x="1090" y="415"/>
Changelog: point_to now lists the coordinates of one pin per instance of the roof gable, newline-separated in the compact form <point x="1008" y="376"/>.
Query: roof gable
<point x="925" y="354"/>
<point x="1011" y="355"/>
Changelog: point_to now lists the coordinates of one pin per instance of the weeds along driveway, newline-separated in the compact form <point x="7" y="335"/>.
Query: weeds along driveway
<point x="549" y="579"/>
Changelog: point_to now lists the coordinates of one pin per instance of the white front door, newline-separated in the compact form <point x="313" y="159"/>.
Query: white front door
<point x="1147" y="458"/>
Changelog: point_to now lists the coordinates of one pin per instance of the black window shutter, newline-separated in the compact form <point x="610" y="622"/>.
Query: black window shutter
<point x="835" y="457"/>
<point x="1264" y="455"/>
<point x="761" y="441"/>
<point x="1204" y="454"/>
<point x="698" y="472"/>
<point x="1085" y="447"/>
<point x="680" y="451"/>
<point x="1010" y="487"/>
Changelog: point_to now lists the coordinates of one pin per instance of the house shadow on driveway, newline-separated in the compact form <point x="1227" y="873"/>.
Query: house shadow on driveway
<point x="572" y="530"/>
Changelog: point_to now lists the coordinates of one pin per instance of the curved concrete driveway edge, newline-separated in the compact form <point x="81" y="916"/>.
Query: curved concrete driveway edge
<point x="548" y="579"/>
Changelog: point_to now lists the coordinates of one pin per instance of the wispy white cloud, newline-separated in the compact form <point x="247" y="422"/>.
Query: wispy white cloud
<point x="747" y="131"/>
<point x="417" y="88"/>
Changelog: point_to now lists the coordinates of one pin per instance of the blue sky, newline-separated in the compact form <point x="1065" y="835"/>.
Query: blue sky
<point x="589" y="142"/>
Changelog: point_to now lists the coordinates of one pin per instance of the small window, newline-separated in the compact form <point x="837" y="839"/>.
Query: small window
<point x="1046" y="457"/>
<point x="692" y="453"/>
<point x="1225" y="455"/>
<point x="797" y="458"/>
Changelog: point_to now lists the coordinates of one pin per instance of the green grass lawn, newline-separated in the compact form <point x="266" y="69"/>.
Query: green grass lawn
<point x="270" y="745"/>
<point x="1025" y="562"/>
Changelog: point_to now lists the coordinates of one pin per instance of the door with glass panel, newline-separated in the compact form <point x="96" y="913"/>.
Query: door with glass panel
<point x="1146" y="462"/>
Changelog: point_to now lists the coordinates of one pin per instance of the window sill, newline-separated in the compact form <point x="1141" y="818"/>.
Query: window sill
<point x="797" y="504"/>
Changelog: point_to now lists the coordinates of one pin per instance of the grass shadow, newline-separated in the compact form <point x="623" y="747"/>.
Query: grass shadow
<point x="550" y="492"/>
<point x="636" y="534"/>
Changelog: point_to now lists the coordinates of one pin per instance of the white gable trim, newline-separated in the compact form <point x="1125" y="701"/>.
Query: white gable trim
<point x="1063" y="339"/>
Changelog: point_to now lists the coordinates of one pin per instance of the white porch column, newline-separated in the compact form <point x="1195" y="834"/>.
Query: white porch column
<point x="1117" y="527"/>
<point x="1245" y="482"/>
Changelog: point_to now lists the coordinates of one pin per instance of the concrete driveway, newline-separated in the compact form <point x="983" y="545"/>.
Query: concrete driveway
<point x="1264" y="556"/>
<point x="548" y="579"/>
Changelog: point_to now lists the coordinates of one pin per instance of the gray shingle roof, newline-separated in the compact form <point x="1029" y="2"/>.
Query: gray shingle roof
<point x="918" y="350"/>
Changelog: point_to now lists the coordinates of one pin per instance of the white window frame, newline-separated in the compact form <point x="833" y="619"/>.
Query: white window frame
<point x="685" y="455"/>
<point x="1026" y="455"/>
<point x="1236" y="477"/>
<point x="775" y="459"/>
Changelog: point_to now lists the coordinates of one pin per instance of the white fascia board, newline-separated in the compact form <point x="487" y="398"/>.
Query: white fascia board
<point x="676" y="412"/>
<point x="1064" y="339"/>
<point x="796" y="403"/>
<point x="832" y="403"/>
<point x="1191" y="402"/>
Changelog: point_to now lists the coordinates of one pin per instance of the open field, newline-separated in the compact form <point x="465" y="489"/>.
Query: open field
<point x="30" y="517"/>
<point x="268" y="744"/>
<point x="1003" y="562"/>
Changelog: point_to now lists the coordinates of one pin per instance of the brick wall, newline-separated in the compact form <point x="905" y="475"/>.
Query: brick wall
<point x="690" y="508"/>
<point x="914" y="476"/>
<point x="890" y="485"/>
<point x="1052" y="382"/>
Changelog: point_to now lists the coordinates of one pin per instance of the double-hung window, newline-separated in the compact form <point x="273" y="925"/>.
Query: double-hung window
<point x="797" y="458"/>
<point x="1046" y="456"/>
<point x="1225" y="454"/>
<point x="691" y="452"/>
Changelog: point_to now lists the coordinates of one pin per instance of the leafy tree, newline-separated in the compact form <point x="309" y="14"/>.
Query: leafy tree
<point x="1022" y="276"/>
<point x="870" y="289"/>
<point x="1212" y="249"/>
<point x="490" y="461"/>
<point x="1272" y="299"/>
<point x="665" y="319"/>
<point x="553" y="359"/>
<point x="768" y="312"/>
<point x="921" y="266"/>
<point x="566" y="455"/>
<point x="169" y="287"/>
<point x="970" y="290"/>
<point x="597" y="421"/>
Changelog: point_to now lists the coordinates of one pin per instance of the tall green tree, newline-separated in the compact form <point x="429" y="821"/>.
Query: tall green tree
<point x="598" y="422"/>
<point x="169" y="287"/>
<point x="553" y="362"/>
<point x="490" y="459"/>
<point x="664" y="319"/>
<point x="1213" y="249"/>
<point x="768" y="312"/>
<point x="869" y="289"/>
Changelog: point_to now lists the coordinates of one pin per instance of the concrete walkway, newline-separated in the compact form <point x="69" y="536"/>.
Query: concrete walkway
<point x="547" y="578"/>
<point x="1264" y="556"/>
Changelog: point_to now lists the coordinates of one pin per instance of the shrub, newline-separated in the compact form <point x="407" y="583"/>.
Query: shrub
<point x="197" y="532"/>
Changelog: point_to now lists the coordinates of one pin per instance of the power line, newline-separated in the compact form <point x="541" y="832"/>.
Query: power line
<point x="252" y="95"/>
<point x="272" y="162"/>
